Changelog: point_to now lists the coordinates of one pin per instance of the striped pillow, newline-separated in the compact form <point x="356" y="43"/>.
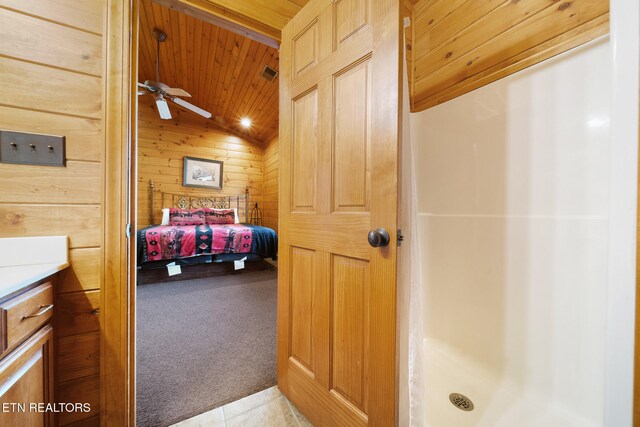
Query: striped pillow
<point x="186" y="216"/>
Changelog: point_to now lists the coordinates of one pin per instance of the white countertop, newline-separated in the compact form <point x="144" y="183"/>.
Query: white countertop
<point x="24" y="260"/>
<point x="15" y="277"/>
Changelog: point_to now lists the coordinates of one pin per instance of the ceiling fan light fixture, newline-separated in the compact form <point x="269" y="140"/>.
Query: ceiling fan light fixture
<point x="245" y="122"/>
<point x="163" y="107"/>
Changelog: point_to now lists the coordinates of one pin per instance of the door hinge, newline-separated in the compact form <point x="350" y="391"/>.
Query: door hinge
<point x="127" y="231"/>
<point x="400" y="237"/>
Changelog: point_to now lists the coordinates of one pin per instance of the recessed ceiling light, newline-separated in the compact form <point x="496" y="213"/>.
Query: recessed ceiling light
<point x="245" y="122"/>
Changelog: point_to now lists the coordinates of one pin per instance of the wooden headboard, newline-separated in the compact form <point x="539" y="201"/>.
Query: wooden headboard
<point x="191" y="201"/>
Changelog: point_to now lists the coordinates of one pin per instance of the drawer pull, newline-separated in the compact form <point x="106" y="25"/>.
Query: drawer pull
<point x="43" y="309"/>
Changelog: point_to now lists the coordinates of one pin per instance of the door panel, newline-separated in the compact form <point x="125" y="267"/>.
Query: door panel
<point x="351" y="139"/>
<point x="350" y="17"/>
<point x="305" y="49"/>
<point x="303" y="272"/>
<point x="339" y="137"/>
<point x="350" y="329"/>
<point x="305" y="155"/>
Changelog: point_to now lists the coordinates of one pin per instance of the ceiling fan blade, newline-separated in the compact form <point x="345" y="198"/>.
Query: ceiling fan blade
<point x="163" y="107"/>
<point x="191" y="107"/>
<point x="176" y="91"/>
<point x="145" y="89"/>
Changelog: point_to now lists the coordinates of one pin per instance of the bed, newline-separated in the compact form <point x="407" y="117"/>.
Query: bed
<point x="203" y="229"/>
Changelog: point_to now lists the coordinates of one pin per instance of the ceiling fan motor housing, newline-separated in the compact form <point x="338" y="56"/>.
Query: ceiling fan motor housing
<point x="159" y="35"/>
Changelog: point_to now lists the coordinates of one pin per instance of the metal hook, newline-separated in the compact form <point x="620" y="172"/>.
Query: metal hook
<point x="50" y="148"/>
<point x="14" y="145"/>
<point x="33" y="147"/>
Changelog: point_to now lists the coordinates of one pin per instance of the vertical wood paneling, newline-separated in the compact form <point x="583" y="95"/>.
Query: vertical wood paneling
<point x="461" y="45"/>
<point x="163" y="144"/>
<point x="270" y="182"/>
<point x="50" y="78"/>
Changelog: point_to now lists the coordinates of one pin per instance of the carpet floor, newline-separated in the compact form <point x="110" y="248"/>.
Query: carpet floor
<point x="203" y="343"/>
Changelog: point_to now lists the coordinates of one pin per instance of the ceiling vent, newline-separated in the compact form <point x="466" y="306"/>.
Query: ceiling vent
<point x="269" y="74"/>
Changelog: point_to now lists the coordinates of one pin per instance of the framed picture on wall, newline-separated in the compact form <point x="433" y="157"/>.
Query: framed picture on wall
<point x="203" y="173"/>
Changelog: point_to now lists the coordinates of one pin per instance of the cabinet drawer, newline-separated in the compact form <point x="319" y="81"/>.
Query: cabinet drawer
<point x="24" y="314"/>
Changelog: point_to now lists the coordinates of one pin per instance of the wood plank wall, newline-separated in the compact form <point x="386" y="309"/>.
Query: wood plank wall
<point x="51" y="81"/>
<point x="406" y="11"/>
<point x="460" y="45"/>
<point x="270" y="184"/>
<point x="162" y="144"/>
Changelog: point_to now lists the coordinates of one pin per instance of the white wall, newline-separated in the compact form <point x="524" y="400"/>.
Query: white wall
<point x="625" y="41"/>
<point x="513" y="200"/>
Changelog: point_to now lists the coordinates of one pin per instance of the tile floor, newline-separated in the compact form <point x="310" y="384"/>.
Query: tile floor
<point x="267" y="408"/>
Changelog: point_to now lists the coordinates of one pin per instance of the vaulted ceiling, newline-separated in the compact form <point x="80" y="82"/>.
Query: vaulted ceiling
<point x="219" y="68"/>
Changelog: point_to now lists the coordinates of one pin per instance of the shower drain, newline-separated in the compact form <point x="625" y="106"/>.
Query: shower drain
<point x="461" y="401"/>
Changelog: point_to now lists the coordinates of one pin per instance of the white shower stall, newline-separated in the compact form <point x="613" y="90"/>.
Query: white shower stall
<point x="513" y="216"/>
<point x="515" y="273"/>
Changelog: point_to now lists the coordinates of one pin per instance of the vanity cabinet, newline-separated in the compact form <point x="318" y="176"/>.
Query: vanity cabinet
<point x="26" y="357"/>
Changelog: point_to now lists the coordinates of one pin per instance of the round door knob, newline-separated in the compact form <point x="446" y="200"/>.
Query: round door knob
<point x="378" y="237"/>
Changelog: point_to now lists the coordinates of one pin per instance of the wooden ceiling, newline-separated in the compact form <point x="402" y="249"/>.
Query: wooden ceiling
<point x="219" y="68"/>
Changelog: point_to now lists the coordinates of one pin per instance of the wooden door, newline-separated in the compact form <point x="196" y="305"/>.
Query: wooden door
<point x="339" y="101"/>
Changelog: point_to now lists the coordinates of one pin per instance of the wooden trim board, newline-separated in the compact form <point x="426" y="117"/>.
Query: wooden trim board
<point x="203" y="15"/>
<point x="116" y="362"/>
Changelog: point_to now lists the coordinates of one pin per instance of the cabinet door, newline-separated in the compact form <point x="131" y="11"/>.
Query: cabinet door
<point x="26" y="377"/>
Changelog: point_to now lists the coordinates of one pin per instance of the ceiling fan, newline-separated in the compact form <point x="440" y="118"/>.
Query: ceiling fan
<point x="161" y="92"/>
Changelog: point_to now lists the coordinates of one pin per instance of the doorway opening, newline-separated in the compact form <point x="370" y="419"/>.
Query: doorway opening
<point x="207" y="215"/>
